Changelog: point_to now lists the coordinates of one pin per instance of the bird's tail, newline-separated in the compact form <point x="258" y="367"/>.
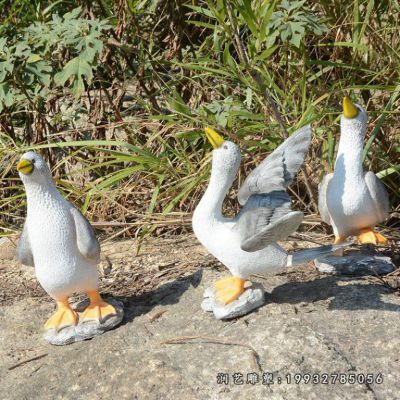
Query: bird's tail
<point x="302" y="256"/>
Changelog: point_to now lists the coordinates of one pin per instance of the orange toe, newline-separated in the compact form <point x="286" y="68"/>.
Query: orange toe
<point x="64" y="316"/>
<point x="368" y="236"/>
<point x="229" y="289"/>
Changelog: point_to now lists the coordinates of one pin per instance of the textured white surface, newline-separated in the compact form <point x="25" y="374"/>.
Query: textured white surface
<point x="222" y="237"/>
<point x="346" y="201"/>
<point x="215" y="232"/>
<point x="60" y="267"/>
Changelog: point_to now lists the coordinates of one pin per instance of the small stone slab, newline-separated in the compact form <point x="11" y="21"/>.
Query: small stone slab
<point x="252" y="298"/>
<point x="355" y="264"/>
<point x="7" y="249"/>
<point x="85" y="330"/>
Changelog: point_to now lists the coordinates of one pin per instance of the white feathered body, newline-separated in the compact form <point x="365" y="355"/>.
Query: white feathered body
<point x="247" y="244"/>
<point x="350" y="203"/>
<point x="60" y="267"/>
<point x="216" y="234"/>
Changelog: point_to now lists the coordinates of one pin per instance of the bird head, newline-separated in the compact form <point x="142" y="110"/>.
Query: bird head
<point x="354" y="118"/>
<point x="32" y="168"/>
<point x="226" y="154"/>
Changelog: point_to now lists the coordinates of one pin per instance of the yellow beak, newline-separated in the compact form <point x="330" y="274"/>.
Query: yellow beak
<point x="349" y="109"/>
<point x="25" y="166"/>
<point x="214" y="138"/>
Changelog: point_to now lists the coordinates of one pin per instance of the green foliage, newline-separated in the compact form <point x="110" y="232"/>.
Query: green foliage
<point x="226" y="111"/>
<point x="116" y="94"/>
<point x="291" y="21"/>
<point x="31" y="65"/>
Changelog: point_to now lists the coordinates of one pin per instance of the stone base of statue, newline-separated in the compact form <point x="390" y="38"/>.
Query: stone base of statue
<point x="87" y="329"/>
<point x="355" y="263"/>
<point x="253" y="297"/>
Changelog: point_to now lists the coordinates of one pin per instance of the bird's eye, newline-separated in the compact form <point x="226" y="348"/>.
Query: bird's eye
<point x="33" y="161"/>
<point x="225" y="147"/>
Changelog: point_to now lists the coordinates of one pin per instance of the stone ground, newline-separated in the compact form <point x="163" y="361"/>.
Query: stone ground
<point x="167" y="348"/>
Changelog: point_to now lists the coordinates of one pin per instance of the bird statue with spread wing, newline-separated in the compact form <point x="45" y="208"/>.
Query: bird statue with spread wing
<point x="247" y="244"/>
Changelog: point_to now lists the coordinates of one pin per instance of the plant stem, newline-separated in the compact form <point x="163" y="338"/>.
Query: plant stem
<point x="240" y="48"/>
<point x="244" y="57"/>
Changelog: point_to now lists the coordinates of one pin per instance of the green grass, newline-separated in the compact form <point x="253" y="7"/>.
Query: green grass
<point x="140" y="162"/>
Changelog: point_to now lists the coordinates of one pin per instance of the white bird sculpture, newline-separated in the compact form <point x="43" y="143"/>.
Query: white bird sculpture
<point x="60" y="243"/>
<point x="246" y="244"/>
<point x="351" y="199"/>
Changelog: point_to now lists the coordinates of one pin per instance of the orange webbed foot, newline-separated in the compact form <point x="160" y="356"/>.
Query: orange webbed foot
<point x="368" y="236"/>
<point x="64" y="316"/>
<point x="229" y="289"/>
<point x="98" y="309"/>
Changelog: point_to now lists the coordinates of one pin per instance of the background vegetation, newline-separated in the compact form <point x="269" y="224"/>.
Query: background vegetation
<point x="116" y="94"/>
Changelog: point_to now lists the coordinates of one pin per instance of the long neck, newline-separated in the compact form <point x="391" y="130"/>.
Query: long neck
<point x="349" y="160"/>
<point x="216" y="192"/>
<point x="41" y="194"/>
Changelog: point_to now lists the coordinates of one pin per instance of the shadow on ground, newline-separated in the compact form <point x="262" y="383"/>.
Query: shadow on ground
<point x="166" y="295"/>
<point x="344" y="294"/>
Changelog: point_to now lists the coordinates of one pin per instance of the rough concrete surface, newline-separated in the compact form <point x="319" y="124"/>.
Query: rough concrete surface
<point x="168" y="348"/>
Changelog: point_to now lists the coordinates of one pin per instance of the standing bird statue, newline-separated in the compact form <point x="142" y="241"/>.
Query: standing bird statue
<point x="60" y="243"/>
<point x="352" y="200"/>
<point x="246" y="244"/>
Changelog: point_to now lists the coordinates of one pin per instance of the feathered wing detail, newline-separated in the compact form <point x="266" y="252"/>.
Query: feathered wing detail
<point x="265" y="219"/>
<point x="266" y="216"/>
<point x="24" y="252"/>
<point x="277" y="171"/>
<point x="379" y="194"/>
<point x="322" y="196"/>
<point x="87" y="242"/>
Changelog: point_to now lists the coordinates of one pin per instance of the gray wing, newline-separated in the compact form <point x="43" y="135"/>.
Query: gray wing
<point x="322" y="195"/>
<point x="86" y="239"/>
<point x="24" y="252"/>
<point x="379" y="194"/>
<point x="277" y="171"/>
<point x="265" y="219"/>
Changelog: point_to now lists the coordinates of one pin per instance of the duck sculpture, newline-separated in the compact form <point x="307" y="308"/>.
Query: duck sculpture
<point x="353" y="201"/>
<point x="60" y="243"/>
<point x="247" y="244"/>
